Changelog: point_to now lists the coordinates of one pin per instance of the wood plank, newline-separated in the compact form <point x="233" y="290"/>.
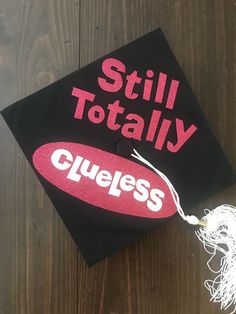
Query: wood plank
<point x="39" y="44"/>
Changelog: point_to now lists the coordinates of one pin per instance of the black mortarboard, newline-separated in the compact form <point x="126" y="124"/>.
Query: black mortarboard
<point x="79" y="133"/>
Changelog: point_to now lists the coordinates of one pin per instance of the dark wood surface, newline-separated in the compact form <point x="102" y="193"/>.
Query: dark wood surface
<point x="41" y="270"/>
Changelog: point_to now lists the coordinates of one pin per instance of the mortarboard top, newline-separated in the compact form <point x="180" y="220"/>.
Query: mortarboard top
<point x="77" y="134"/>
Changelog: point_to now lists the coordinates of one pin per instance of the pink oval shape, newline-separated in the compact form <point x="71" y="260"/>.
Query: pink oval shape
<point x="104" y="179"/>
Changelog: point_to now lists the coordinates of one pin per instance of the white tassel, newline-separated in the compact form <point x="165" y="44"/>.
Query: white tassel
<point x="218" y="234"/>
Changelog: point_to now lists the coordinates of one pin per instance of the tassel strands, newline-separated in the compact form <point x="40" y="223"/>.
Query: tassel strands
<point x="220" y="236"/>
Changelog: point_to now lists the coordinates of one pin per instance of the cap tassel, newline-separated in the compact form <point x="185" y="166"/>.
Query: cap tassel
<point x="217" y="232"/>
<point x="220" y="235"/>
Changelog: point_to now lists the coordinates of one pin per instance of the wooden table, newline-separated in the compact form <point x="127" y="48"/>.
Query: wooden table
<point x="41" y="269"/>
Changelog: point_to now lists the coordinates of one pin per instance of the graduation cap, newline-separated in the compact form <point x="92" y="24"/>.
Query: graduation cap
<point x="121" y="146"/>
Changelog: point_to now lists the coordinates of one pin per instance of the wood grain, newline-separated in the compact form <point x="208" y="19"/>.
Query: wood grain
<point x="41" y="270"/>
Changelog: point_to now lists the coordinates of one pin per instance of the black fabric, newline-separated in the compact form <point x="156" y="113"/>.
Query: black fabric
<point x="197" y="169"/>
